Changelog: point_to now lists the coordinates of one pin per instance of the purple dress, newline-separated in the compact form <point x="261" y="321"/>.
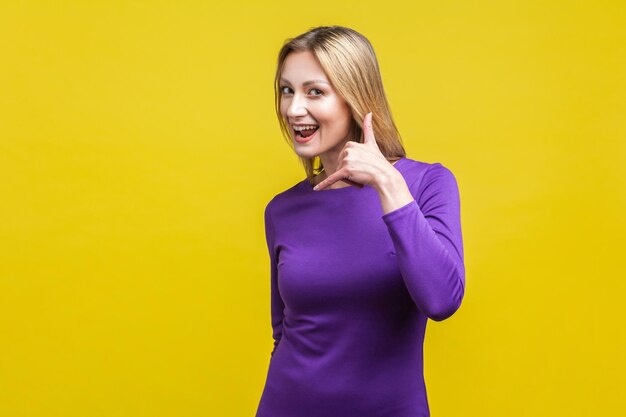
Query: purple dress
<point x="351" y="292"/>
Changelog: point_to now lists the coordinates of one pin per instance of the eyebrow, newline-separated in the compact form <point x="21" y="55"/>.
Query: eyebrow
<point x="306" y="82"/>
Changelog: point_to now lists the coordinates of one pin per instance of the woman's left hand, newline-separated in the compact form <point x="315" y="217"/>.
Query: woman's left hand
<point x="360" y="163"/>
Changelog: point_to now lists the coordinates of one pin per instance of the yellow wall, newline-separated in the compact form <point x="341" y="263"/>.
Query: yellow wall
<point x="139" y="146"/>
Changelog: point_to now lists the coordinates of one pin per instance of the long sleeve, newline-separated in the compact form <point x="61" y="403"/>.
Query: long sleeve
<point x="277" y="305"/>
<point x="426" y="234"/>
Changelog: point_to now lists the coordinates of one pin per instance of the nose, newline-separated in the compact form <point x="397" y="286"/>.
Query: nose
<point x="296" y="107"/>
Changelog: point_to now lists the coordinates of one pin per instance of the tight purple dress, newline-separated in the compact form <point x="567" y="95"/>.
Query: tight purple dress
<point x="351" y="291"/>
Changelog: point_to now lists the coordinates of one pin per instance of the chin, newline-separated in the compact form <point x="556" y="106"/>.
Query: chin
<point x="304" y="150"/>
<point x="306" y="153"/>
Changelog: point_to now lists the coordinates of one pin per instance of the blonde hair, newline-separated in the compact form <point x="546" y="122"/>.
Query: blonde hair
<point x="349" y="61"/>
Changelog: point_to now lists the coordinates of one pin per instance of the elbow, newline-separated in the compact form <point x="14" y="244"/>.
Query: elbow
<point x="447" y="306"/>
<point x="443" y="311"/>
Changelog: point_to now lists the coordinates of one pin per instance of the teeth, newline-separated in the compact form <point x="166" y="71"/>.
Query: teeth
<point x="307" y="127"/>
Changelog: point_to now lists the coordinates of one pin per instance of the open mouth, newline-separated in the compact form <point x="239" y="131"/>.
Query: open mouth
<point x="305" y="133"/>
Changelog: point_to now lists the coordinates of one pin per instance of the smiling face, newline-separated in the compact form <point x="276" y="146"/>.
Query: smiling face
<point x="309" y="102"/>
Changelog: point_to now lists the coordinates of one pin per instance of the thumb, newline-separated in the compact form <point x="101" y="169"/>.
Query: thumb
<point x="368" y="130"/>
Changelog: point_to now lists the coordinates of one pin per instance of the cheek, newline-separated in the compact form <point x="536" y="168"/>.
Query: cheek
<point x="339" y="118"/>
<point x="326" y="114"/>
<point x="337" y="113"/>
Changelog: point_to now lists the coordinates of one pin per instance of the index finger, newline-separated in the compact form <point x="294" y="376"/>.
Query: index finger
<point x="337" y="176"/>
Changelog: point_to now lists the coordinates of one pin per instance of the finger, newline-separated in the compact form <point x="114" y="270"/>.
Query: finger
<point x="328" y="181"/>
<point x="325" y="184"/>
<point x="340" y="164"/>
<point x="340" y="175"/>
<point x="356" y="184"/>
<point x="368" y="130"/>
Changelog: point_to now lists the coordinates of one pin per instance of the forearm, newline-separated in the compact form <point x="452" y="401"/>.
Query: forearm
<point x="424" y="225"/>
<point x="432" y="274"/>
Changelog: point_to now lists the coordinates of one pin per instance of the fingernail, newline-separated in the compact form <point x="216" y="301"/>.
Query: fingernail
<point x="315" y="188"/>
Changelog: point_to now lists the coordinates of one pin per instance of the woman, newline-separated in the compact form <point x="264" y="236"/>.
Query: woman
<point x="363" y="251"/>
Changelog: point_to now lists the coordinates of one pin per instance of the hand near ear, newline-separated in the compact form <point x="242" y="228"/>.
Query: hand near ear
<point x="360" y="163"/>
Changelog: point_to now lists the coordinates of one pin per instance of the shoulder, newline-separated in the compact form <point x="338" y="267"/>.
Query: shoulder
<point x="426" y="178"/>
<point x="288" y="195"/>
<point x="416" y="171"/>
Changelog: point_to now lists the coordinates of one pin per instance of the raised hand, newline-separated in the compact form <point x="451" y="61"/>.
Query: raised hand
<point x="359" y="163"/>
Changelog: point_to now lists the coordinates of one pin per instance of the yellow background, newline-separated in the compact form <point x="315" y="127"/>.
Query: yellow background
<point x="139" y="146"/>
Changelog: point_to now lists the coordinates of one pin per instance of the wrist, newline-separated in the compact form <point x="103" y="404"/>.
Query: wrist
<point x="389" y="182"/>
<point x="393" y="192"/>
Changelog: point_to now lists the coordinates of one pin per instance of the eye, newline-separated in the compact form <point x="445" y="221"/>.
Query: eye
<point x="317" y="89"/>
<point x="283" y="90"/>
